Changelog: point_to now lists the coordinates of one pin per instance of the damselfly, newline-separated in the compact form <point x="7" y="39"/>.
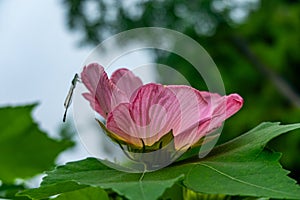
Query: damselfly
<point x="68" y="100"/>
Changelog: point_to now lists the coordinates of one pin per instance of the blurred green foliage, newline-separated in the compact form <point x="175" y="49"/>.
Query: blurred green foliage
<point x="25" y="150"/>
<point x="23" y="144"/>
<point x="255" y="45"/>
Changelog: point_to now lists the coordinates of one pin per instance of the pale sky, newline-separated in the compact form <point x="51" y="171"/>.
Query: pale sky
<point x="39" y="57"/>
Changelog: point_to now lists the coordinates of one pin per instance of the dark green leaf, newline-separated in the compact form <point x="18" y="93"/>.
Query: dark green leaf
<point x="239" y="167"/>
<point x="25" y="150"/>
<point x="173" y="193"/>
<point x="87" y="193"/>
<point x="93" y="173"/>
<point x="8" y="191"/>
<point x="53" y="189"/>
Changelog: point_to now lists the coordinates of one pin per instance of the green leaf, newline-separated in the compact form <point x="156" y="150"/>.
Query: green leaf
<point x="254" y="140"/>
<point x="238" y="167"/>
<point x="8" y="191"/>
<point x="25" y="150"/>
<point x="84" y="194"/>
<point x="93" y="173"/>
<point x="174" y="193"/>
<point x="53" y="189"/>
<point x="241" y="167"/>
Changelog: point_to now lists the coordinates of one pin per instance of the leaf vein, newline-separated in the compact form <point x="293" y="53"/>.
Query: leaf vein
<point x="241" y="181"/>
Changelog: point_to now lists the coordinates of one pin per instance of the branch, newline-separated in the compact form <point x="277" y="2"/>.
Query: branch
<point x="282" y="86"/>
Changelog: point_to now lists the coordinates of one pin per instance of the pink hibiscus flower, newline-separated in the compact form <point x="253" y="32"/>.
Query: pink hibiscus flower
<point x="141" y="115"/>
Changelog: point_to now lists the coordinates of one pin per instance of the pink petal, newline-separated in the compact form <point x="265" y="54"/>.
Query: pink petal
<point x="149" y="115"/>
<point x="93" y="103"/>
<point x="193" y="108"/>
<point x="223" y="107"/>
<point x="106" y="94"/>
<point x="195" y="116"/>
<point x="234" y="104"/>
<point x="119" y="122"/>
<point x="90" y="76"/>
<point x="193" y="134"/>
<point x="202" y="113"/>
<point x="126" y="81"/>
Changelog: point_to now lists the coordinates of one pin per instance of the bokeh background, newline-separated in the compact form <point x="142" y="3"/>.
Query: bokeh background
<point x="254" y="43"/>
